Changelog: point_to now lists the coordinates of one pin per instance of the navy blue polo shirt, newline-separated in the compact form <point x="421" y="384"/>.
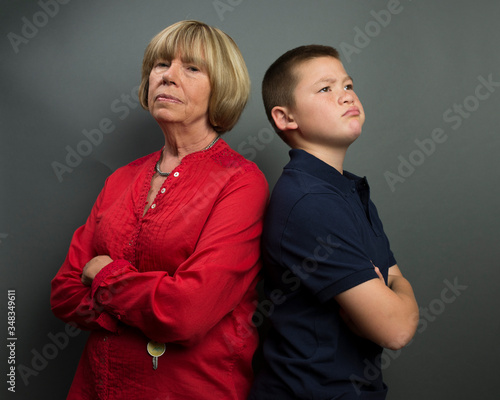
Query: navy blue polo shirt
<point x="321" y="235"/>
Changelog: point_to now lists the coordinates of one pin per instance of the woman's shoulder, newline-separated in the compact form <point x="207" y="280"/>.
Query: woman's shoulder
<point x="231" y="159"/>
<point x="236" y="168"/>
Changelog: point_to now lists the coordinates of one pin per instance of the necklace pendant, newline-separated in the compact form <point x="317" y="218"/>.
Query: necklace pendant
<point x="159" y="171"/>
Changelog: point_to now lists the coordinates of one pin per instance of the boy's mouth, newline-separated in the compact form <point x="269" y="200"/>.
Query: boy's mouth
<point x="352" y="111"/>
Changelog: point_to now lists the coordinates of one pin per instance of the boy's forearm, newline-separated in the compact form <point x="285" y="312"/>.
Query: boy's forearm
<point x="409" y="308"/>
<point x="402" y="288"/>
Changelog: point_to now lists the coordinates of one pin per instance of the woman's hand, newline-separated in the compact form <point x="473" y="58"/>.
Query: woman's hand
<point x="93" y="267"/>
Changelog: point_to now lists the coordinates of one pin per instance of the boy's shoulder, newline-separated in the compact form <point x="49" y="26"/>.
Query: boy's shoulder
<point x="304" y="195"/>
<point x="310" y="193"/>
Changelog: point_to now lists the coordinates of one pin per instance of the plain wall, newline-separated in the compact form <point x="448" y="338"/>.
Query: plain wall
<point x="428" y="76"/>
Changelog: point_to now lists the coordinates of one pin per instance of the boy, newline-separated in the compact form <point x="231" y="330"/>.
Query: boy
<point x="338" y="296"/>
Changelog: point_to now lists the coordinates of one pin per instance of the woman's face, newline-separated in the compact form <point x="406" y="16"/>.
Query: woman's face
<point x="179" y="93"/>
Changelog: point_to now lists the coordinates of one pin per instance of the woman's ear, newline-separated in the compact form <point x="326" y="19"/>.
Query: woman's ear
<point x="283" y="119"/>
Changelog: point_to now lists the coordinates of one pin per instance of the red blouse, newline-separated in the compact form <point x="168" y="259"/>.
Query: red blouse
<point x="183" y="274"/>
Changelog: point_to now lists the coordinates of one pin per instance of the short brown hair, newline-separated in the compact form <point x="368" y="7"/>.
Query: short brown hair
<point x="280" y="79"/>
<point x="208" y="46"/>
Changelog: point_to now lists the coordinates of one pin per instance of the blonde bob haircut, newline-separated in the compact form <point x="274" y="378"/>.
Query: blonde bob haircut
<point x="213" y="50"/>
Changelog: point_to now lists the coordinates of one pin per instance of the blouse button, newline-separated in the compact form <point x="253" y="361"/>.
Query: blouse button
<point x="163" y="190"/>
<point x="176" y="174"/>
<point x="153" y="206"/>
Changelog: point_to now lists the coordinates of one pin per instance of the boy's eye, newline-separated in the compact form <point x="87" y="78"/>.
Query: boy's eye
<point x="325" y="89"/>
<point x="348" y="87"/>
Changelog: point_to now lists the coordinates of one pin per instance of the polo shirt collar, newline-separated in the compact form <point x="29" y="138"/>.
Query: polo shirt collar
<point x="302" y="160"/>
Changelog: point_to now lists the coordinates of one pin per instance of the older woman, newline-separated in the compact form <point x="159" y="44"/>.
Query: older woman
<point x="163" y="272"/>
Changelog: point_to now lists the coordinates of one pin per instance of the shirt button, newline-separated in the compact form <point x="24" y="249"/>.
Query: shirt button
<point x="176" y="174"/>
<point x="163" y="190"/>
<point x="153" y="206"/>
<point x="353" y="190"/>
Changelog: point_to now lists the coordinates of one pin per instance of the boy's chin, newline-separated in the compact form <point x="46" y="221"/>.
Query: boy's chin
<point x="355" y="125"/>
<point x="352" y="135"/>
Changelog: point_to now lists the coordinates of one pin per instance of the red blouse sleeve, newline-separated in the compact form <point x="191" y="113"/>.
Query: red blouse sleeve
<point x="70" y="299"/>
<point x="207" y="285"/>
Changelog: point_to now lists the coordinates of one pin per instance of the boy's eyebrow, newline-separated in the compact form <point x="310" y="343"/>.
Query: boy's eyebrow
<point x="333" y="80"/>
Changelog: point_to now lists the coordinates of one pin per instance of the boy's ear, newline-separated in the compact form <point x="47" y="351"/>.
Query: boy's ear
<point x="283" y="119"/>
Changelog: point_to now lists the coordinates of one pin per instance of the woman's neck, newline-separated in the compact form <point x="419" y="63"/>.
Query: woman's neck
<point x="179" y="143"/>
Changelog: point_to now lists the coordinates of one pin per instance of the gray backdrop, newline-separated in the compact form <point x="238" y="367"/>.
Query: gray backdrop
<point x="427" y="73"/>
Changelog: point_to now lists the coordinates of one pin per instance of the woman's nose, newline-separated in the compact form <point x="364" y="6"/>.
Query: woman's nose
<point x="171" y="74"/>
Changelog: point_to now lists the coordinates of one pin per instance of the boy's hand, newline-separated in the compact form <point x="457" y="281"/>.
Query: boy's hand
<point x="386" y="315"/>
<point x="379" y="274"/>
<point x="392" y="280"/>
<point x="394" y="277"/>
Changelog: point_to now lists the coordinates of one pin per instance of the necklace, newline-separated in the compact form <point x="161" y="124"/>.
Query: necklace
<point x="168" y="173"/>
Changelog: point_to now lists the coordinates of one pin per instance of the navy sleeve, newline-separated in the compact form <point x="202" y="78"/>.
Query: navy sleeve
<point x="323" y="244"/>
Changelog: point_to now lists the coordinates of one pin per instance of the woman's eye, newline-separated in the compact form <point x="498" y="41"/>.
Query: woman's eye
<point x="161" y="64"/>
<point x="193" y="68"/>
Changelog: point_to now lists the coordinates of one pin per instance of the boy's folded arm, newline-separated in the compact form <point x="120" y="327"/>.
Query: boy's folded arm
<point x="386" y="315"/>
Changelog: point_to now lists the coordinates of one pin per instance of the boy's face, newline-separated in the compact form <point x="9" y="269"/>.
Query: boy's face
<point x="326" y="109"/>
